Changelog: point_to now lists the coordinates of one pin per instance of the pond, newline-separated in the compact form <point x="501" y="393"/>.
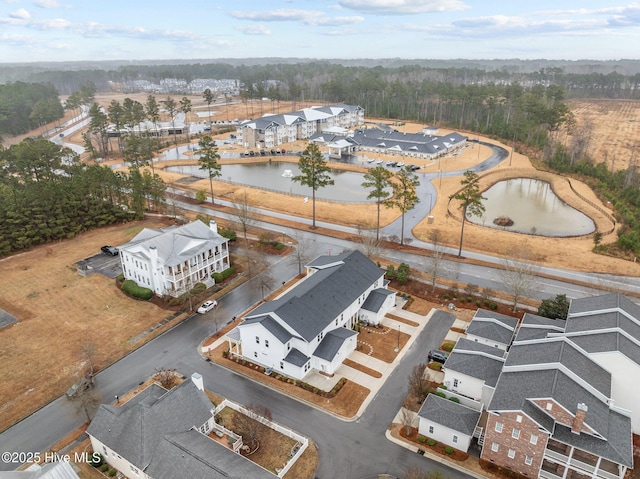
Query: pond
<point x="534" y="209"/>
<point x="276" y="176"/>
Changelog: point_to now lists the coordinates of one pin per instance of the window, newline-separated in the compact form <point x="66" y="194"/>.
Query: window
<point x="255" y="354"/>
<point x="281" y="364"/>
<point x="518" y="418"/>
<point x="549" y="406"/>
<point x="511" y="454"/>
<point x="455" y="439"/>
<point x="534" y="439"/>
<point x="266" y="343"/>
<point x="257" y="340"/>
<point x="430" y="429"/>
<point x="498" y="427"/>
<point x="455" y="383"/>
<point x="288" y="346"/>
<point x="528" y="460"/>
<point x="495" y="446"/>
<point x="515" y="433"/>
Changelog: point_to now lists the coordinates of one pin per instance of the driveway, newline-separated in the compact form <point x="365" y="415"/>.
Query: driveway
<point x="102" y="263"/>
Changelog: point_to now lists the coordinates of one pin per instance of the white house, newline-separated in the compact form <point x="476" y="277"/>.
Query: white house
<point x="311" y="325"/>
<point x="160" y="434"/>
<point x="493" y="329"/>
<point x="472" y="370"/>
<point x="171" y="260"/>
<point x="447" y="422"/>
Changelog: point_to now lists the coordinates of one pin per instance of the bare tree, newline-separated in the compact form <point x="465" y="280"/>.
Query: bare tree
<point x="249" y="425"/>
<point x="301" y="254"/>
<point x="166" y="377"/>
<point x="244" y="215"/>
<point x="89" y="353"/>
<point x="87" y="401"/>
<point x="406" y="419"/>
<point x="418" y="383"/>
<point x="370" y="245"/>
<point x="266" y="281"/>
<point x="435" y="264"/>
<point x="519" y="274"/>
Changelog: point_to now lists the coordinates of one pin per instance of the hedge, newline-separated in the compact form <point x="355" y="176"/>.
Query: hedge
<point x="220" y="277"/>
<point x="132" y="289"/>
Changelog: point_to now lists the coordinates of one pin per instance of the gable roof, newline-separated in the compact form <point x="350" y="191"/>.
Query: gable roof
<point x="135" y="428"/>
<point x="476" y="360"/>
<point x="538" y="327"/>
<point x="175" y="244"/>
<point x="493" y="326"/>
<point x="272" y="326"/>
<point x="449" y="414"/>
<point x="336" y="282"/>
<point x="194" y="455"/>
<point x="332" y="342"/>
<point x="376" y="299"/>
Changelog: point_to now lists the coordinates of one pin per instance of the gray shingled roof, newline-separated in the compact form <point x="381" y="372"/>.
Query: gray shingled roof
<point x="175" y="244"/>
<point x="314" y="303"/>
<point x="561" y="351"/>
<point x="135" y="428"/>
<point x="533" y="326"/>
<point x="476" y="360"/>
<point x="272" y="326"/>
<point x="194" y="455"/>
<point x="376" y="299"/>
<point x="296" y="358"/>
<point x="611" y="341"/>
<point x="449" y="414"/>
<point x="332" y="342"/>
<point x="602" y="302"/>
<point x="493" y="326"/>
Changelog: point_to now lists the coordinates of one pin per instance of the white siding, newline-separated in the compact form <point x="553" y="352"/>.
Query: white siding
<point x="444" y="435"/>
<point x="466" y="385"/>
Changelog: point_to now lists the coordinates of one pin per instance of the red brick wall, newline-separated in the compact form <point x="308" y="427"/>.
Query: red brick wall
<point x="522" y="446"/>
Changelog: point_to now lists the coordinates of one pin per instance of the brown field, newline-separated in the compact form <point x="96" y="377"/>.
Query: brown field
<point x="614" y="126"/>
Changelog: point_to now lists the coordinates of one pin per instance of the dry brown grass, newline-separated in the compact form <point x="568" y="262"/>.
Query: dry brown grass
<point x="381" y="342"/>
<point x="361" y="367"/>
<point x="58" y="313"/>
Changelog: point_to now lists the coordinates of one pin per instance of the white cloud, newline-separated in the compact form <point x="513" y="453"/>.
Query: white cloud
<point x="254" y="30"/>
<point x="20" y="14"/>
<point x="403" y="7"/>
<point x="47" y="3"/>
<point x="307" y="17"/>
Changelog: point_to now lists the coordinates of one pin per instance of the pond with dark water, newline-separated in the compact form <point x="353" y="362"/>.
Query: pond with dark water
<point x="534" y="209"/>
<point x="276" y="176"/>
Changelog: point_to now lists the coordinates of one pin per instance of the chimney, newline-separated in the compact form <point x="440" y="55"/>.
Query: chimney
<point x="198" y="381"/>
<point x="213" y="226"/>
<point x="578" y="420"/>
<point x="153" y="252"/>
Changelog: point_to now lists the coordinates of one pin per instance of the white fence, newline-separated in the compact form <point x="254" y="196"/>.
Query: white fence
<point x="296" y="452"/>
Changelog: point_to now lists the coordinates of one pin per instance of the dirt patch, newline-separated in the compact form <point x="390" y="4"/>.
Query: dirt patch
<point x="382" y="343"/>
<point x="403" y="320"/>
<point x="360" y="367"/>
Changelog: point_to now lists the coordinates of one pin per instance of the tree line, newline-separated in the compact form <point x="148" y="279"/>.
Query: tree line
<point x="46" y="195"/>
<point x="27" y="106"/>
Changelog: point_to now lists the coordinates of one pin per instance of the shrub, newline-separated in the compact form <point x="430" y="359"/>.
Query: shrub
<point x="478" y="303"/>
<point x="462" y="300"/>
<point x="440" y="394"/>
<point x="120" y="278"/>
<point x="454" y="399"/>
<point x="96" y="459"/>
<point x="448" y="450"/>
<point x="494" y="306"/>
<point x="104" y="467"/>
<point x="132" y="289"/>
<point x="486" y="302"/>
<point x="221" y="276"/>
<point x="279" y="246"/>
<point x="432" y="442"/>
<point x="403" y="272"/>
<point x="469" y="299"/>
<point x="422" y="439"/>
<point x="227" y="233"/>
<point x="201" y="196"/>
<point x="442" y="386"/>
<point x="198" y="288"/>
<point x="446" y="296"/>
<point x="112" y="472"/>
<point x="435" y="366"/>
<point x="447" y="346"/>
<point x="391" y="272"/>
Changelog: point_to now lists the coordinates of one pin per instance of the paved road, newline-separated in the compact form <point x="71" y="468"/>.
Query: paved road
<point x="347" y="450"/>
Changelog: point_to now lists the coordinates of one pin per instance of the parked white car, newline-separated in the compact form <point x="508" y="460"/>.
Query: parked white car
<point x="207" y="306"/>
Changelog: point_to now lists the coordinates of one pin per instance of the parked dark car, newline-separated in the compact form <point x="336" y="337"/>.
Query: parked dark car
<point x="273" y="152"/>
<point x="252" y="153"/>
<point x="262" y="153"/>
<point x="437" y="356"/>
<point x="113" y="251"/>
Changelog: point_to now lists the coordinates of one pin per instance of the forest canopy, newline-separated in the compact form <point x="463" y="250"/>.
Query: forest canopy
<point x="26" y="106"/>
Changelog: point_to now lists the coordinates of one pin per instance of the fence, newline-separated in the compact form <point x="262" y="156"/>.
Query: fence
<point x="302" y="441"/>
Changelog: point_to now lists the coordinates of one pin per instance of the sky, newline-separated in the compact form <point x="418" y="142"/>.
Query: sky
<point x="79" y="30"/>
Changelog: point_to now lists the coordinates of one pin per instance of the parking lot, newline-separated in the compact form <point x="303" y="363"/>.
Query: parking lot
<point x="102" y="263"/>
